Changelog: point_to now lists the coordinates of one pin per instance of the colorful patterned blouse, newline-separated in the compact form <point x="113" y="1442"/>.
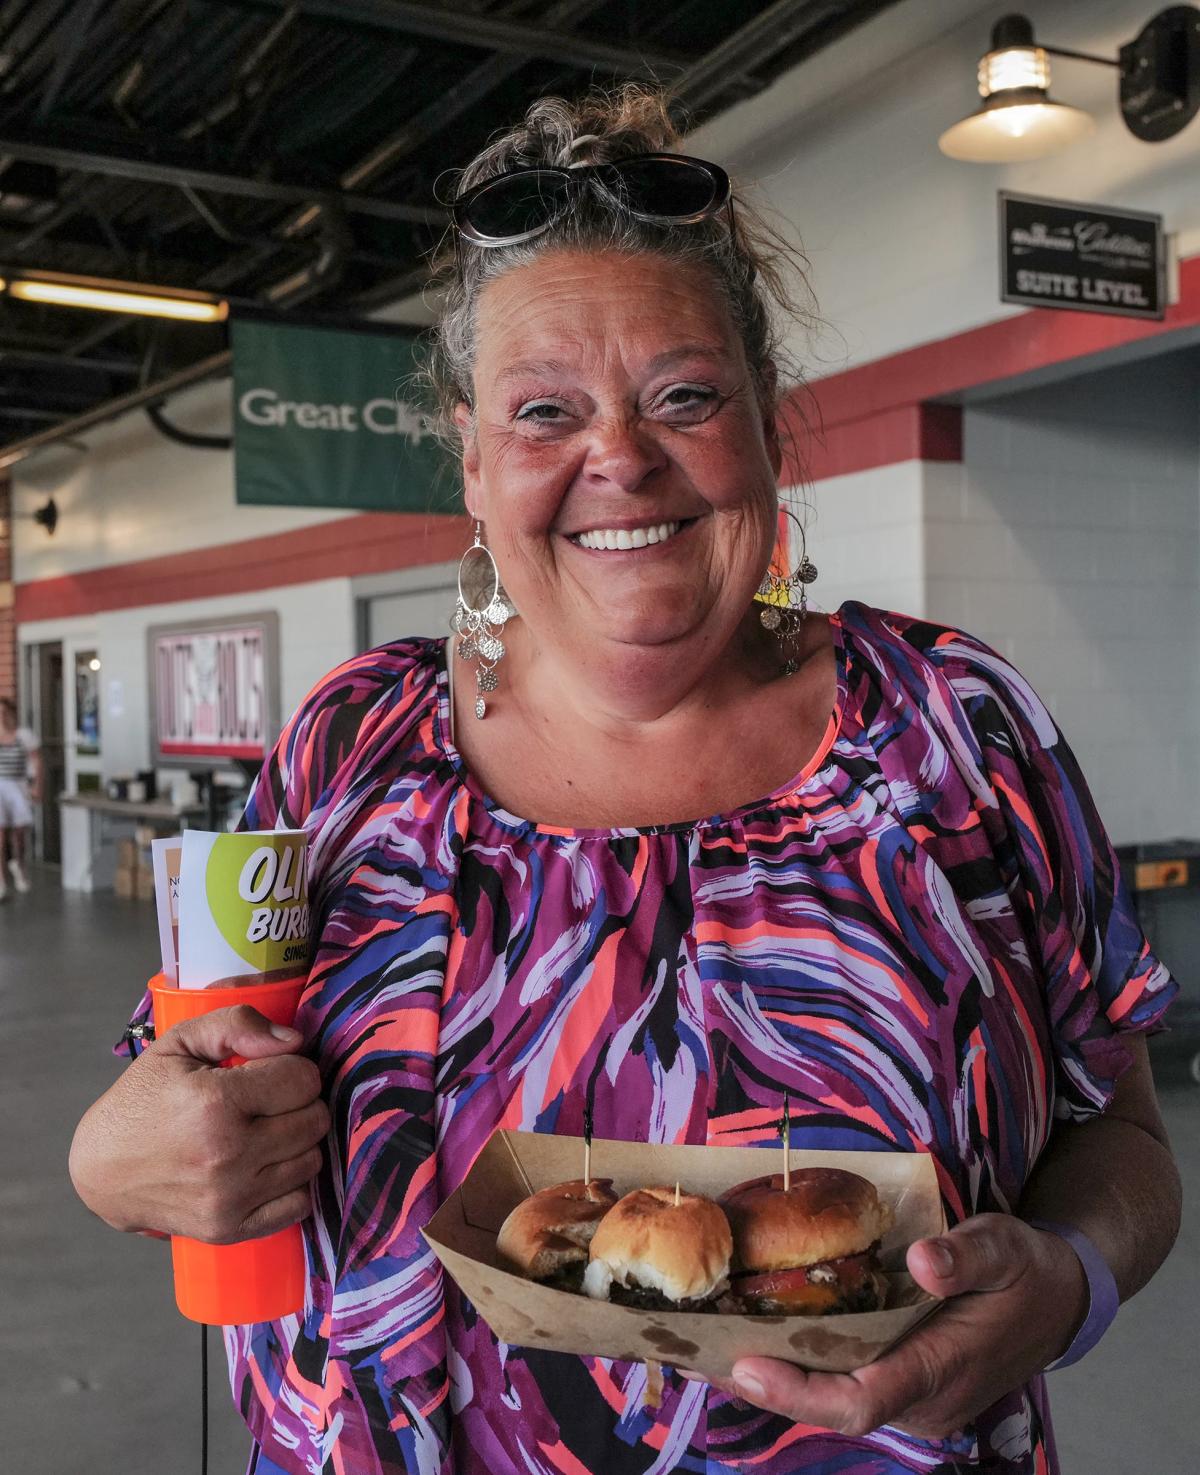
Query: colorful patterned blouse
<point x="923" y="937"/>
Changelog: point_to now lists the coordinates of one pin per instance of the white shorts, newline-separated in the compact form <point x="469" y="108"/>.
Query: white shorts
<point x="15" y="811"/>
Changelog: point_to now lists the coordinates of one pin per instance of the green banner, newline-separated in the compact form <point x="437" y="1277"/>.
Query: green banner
<point x="326" y="418"/>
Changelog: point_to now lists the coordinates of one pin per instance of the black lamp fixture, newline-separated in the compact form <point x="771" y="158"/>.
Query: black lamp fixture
<point x="1159" y="73"/>
<point x="46" y="517"/>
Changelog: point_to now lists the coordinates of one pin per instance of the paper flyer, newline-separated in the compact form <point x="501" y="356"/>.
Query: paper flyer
<point x="165" y="856"/>
<point x="243" y="906"/>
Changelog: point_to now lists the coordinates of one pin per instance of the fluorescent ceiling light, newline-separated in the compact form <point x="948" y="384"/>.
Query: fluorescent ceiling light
<point x="185" y="308"/>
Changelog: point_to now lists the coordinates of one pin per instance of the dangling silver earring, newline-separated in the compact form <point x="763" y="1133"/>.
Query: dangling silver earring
<point x="785" y="613"/>
<point x="478" y="628"/>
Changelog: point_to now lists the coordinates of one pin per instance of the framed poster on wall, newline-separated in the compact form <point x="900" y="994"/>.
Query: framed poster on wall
<point x="214" y="691"/>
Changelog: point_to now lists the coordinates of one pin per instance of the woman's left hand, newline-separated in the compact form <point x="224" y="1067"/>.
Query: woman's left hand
<point x="1015" y="1298"/>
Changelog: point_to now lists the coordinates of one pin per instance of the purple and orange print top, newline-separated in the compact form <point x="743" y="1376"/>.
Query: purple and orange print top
<point x="923" y="938"/>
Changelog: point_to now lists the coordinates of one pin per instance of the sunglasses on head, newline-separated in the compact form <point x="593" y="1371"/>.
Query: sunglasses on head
<point x="663" y="189"/>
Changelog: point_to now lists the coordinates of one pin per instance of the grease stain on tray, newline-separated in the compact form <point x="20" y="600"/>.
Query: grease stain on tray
<point x="666" y="1342"/>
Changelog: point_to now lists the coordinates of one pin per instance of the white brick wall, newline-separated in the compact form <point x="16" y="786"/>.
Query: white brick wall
<point x="864" y="535"/>
<point x="1069" y="538"/>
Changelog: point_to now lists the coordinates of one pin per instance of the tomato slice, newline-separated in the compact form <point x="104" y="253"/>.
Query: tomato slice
<point x="771" y="1283"/>
<point x="794" y="1290"/>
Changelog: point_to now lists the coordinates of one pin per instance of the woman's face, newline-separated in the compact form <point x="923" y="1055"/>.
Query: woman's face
<point x="614" y="405"/>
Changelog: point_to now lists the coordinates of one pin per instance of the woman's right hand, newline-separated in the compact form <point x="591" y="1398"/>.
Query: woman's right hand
<point x="180" y="1146"/>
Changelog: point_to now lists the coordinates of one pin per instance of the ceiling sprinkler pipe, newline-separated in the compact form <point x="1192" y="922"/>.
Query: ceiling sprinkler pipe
<point x="194" y="440"/>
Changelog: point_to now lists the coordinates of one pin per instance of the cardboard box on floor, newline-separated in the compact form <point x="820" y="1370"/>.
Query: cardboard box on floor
<point x="513" y="1165"/>
<point x="134" y="883"/>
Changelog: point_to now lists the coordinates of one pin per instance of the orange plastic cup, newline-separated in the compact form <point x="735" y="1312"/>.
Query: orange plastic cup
<point x="257" y="1279"/>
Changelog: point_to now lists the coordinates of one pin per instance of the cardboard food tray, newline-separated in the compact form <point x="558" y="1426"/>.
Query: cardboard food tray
<point x="513" y="1165"/>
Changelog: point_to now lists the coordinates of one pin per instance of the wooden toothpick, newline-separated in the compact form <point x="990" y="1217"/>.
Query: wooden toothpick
<point x="785" y="1132"/>
<point x="587" y="1144"/>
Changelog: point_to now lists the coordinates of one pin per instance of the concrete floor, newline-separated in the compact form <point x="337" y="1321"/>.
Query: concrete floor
<point x="100" y="1374"/>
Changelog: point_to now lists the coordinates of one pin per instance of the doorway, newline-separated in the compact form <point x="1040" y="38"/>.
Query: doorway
<point x="414" y="602"/>
<point x="43" y="687"/>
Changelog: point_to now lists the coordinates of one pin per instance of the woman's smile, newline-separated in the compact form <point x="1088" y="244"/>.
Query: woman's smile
<point x="629" y="537"/>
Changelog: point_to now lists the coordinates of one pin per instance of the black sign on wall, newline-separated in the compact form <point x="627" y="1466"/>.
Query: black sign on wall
<point x="1054" y="253"/>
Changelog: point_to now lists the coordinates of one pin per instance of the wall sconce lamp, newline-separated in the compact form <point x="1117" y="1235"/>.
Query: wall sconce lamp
<point x="1017" y="119"/>
<point x="46" y="517"/>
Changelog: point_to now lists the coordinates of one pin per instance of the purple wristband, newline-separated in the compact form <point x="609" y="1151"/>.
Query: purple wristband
<point x="1103" y="1299"/>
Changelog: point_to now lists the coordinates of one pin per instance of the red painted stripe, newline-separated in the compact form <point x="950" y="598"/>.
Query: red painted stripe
<point x="913" y="432"/>
<point x="368" y="543"/>
<point x="206" y="750"/>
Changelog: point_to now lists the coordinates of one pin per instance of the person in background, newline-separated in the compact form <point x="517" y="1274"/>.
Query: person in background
<point x="20" y="788"/>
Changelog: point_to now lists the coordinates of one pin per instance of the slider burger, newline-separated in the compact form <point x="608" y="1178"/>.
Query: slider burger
<point x="658" y="1255"/>
<point x="811" y="1251"/>
<point x="546" y="1236"/>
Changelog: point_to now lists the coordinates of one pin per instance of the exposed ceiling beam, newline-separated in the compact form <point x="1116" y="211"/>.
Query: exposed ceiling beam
<point x="40" y="359"/>
<point x="27" y="416"/>
<point x="391" y="289"/>
<point x="69" y="48"/>
<point x="207" y="368"/>
<point x="432" y="121"/>
<point x="489" y="32"/>
<point x="46" y="148"/>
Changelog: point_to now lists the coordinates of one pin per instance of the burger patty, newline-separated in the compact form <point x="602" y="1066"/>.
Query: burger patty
<point x="642" y="1298"/>
<point x="568" y="1278"/>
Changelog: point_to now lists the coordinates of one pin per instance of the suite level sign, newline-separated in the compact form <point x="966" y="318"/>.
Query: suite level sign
<point x="1054" y="253"/>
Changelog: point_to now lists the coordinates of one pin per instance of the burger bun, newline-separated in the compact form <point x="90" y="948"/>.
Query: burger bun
<point x="825" y="1214"/>
<point x="651" y="1242"/>
<point x="550" y="1231"/>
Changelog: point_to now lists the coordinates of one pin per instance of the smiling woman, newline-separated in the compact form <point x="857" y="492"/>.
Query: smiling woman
<point x="702" y="853"/>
